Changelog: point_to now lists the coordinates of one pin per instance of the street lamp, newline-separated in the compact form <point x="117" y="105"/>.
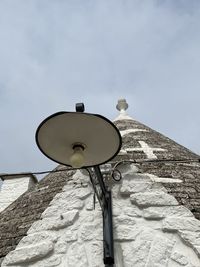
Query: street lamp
<point x="84" y="140"/>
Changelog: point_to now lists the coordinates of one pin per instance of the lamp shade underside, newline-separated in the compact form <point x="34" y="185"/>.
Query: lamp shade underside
<point x="57" y="135"/>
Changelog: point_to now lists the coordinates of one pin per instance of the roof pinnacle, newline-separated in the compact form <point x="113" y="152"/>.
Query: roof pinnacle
<point x="122" y="105"/>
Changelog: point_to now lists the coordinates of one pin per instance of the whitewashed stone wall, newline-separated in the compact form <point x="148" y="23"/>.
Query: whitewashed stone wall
<point x="150" y="228"/>
<point x="13" y="187"/>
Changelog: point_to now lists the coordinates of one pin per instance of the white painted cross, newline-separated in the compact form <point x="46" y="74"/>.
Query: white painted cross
<point x="128" y="131"/>
<point x="149" y="151"/>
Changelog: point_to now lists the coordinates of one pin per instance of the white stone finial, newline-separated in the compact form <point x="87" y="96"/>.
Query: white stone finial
<point x="122" y="105"/>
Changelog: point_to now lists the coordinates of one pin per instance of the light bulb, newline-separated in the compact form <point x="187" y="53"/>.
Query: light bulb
<point x="77" y="159"/>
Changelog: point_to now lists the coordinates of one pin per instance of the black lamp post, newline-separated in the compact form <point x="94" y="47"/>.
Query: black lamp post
<point x="84" y="140"/>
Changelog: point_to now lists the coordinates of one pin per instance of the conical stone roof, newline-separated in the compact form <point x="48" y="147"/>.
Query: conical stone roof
<point x="158" y="155"/>
<point x="159" y="190"/>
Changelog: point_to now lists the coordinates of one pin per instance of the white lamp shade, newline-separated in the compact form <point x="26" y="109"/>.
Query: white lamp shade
<point x="57" y="135"/>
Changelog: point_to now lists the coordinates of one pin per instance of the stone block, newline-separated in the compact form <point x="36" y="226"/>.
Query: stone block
<point x="81" y="177"/>
<point x="132" y="211"/>
<point x="90" y="232"/>
<point x="60" y="207"/>
<point x="36" y="238"/>
<point x="130" y="187"/>
<point x="124" y="219"/>
<point x="28" y="254"/>
<point x="90" y="203"/>
<point x="153" y="199"/>
<point x="61" y="247"/>
<point x="71" y="192"/>
<point x="149" y="249"/>
<point x="179" y="258"/>
<point x="161" y="249"/>
<point x="192" y="239"/>
<point x="175" y="224"/>
<point x="63" y="221"/>
<point x="136" y="254"/>
<point x="49" y="261"/>
<point x="126" y="232"/>
<point x="70" y="236"/>
<point x="66" y="238"/>
<point x="95" y="254"/>
<point x="76" y="256"/>
<point x="83" y="193"/>
<point x="157" y="213"/>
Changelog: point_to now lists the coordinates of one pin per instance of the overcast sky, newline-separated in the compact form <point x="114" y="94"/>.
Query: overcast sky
<point x="55" y="53"/>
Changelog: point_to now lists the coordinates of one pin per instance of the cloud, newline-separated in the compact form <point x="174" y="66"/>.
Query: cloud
<point x="56" y="53"/>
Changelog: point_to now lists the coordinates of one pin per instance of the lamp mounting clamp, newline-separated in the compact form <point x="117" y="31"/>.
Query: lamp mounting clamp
<point x="80" y="107"/>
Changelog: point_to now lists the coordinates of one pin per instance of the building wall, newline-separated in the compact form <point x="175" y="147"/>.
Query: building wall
<point x="150" y="228"/>
<point x="12" y="188"/>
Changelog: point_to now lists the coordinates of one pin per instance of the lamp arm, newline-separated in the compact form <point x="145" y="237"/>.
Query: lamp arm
<point x="100" y="179"/>
<point x="108" y="232"/>
<point x="105" y="200"/>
